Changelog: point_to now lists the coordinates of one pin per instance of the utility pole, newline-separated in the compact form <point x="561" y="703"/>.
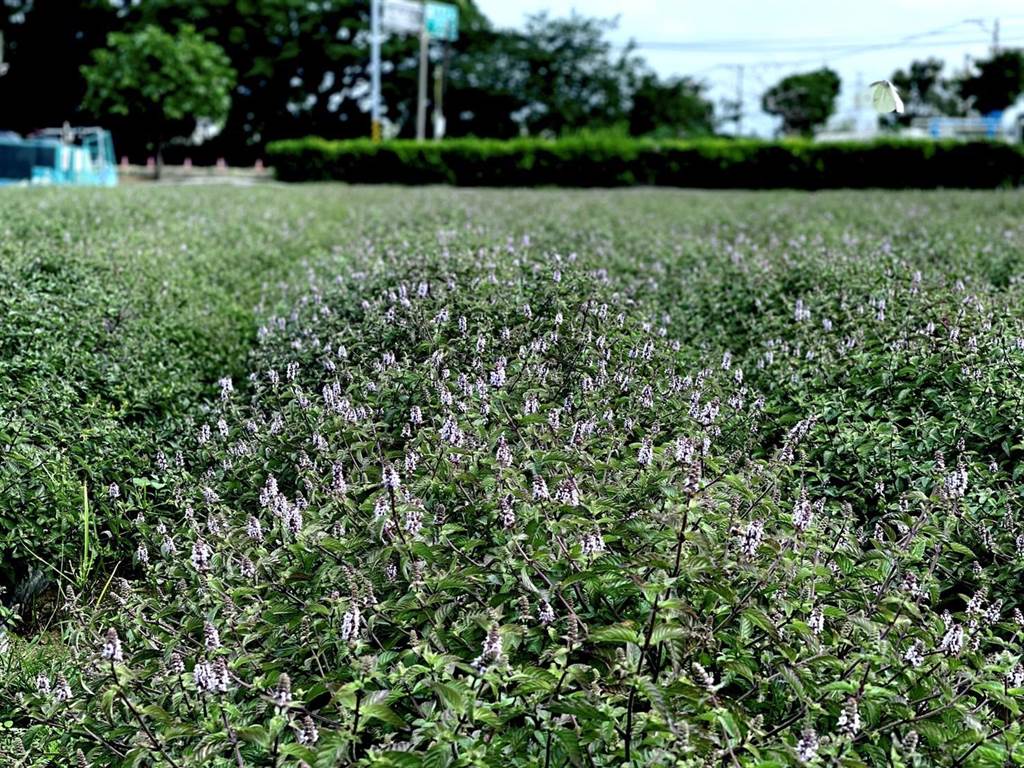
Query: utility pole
<point x="4" y="66"/>
<point x="995" y="31"/>
<point x="439" y="86"/>
<point x="375" y="125"/>
<point x="858" y="102"/>
<point x="421" y="101"/>
<point x="739" y="99"/>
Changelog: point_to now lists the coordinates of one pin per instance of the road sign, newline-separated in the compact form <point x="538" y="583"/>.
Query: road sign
<point x="443" y="21"/>
<point x="431" y="21"/>
<point x="402" y="16"/>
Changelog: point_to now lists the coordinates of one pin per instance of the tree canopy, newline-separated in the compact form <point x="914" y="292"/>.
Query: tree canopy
<point x="163" y="84"/>
<point x="925" y="91"/>
<point x="670" y="108"/>
<point x="804" y="101"/>
<point x="304" y="69"/>
<point x="557" y="76"/>
<point x="46" y="42"/>
<point x="997" y="84"/>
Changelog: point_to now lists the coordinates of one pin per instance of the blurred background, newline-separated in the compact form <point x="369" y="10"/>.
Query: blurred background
<point x="215" y="81"/>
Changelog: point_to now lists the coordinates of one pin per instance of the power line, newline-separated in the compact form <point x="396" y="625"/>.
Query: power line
<point x="829" y="51"/>
<point x="860" y="47"/>
<point x="812" y="45"/>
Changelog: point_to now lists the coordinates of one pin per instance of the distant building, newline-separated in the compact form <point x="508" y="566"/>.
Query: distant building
<point x="861" y="123"/>
<point x="942" y="127"/>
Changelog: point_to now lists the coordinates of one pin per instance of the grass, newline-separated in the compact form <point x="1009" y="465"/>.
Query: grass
<point x="877" y="331"/>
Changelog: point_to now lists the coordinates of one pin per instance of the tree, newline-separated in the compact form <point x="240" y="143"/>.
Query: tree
<point x="163" y="84"/>
<point x="557" y="76"/>
<point x="803" y="101"/>
<point x="298" y="65"/>
<point x="575" y="80"/>
<point x="669" y="108"/>
<point x="46" y="42"/>
<point x="303" y="69"/>
<point x="925" y="92"/>
<point x="997" y="84"/>
<point x="487" y="85"/>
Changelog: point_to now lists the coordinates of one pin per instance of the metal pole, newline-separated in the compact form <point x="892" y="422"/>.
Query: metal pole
<point x="375" y="69"/>
<point x="739" y="99"/>
<point x="421" y="101"/>
<point x="439" y="72"/>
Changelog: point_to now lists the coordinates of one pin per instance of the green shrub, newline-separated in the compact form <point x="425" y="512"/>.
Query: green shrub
<point x="120" y="309"/>
<point x="607" y="161"/>
<point x="725" y="478"/>
<point x="794" y="425"/>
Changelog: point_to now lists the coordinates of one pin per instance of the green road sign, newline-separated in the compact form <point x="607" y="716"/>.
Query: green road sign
<point x="443" y="21"/>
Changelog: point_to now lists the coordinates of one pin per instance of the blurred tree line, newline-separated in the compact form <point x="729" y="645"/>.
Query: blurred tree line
<point x="302" y="68"/>
<point x="994" y="84"/>
<point x="806" y="100"/>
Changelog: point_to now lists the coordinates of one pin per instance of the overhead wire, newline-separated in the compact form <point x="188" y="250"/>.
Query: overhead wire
<point x="830" y="51"/>
<point x="806" y="45"/>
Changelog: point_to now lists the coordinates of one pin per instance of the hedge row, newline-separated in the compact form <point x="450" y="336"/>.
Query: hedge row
<point x="604" y="162"/>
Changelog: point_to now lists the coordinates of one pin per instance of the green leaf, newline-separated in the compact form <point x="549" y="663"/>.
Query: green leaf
<point x="759" y="618"/>
<point x="618" y="634"/>
<point x="450" y="695"/>
<point x="382" y="712"/>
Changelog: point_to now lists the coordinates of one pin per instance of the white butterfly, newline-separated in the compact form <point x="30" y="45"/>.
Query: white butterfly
<point x="886" y="98"/>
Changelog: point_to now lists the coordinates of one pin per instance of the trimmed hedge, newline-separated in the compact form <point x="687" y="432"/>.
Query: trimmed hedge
<point x="604" y="162"/>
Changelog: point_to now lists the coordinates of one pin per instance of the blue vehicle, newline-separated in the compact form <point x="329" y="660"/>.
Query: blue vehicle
<point x="65" y="156"/>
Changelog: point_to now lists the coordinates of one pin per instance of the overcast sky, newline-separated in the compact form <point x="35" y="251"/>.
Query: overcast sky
<point x="773" y="38"/>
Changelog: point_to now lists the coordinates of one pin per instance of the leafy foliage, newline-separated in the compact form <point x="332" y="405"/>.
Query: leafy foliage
<point x="163" y="84"/>
<point x="998" y="82"/>
<point x="604" y="160"/>
<point x="804" y="101"/>
<point x="558" y="76"/>
<point x="297" y="64"/>
<point x="302" y="69"/>
<point x="925" y="92"/>
<point x="673" y="108"/>
<point x="572" y="77"/>
<point x="46" y="42"/>
<point x="119" y="310"/>
<point x="643" y="478"/>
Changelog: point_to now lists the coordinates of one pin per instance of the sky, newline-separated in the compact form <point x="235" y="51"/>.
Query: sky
<point x="774" y="38"/>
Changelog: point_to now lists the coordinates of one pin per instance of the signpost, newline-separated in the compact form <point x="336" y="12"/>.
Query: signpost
<point x="409" y="17"/>
<point x="439" y="21"/>
<point x="375" y="125"/>
<point x="421" y="91"/>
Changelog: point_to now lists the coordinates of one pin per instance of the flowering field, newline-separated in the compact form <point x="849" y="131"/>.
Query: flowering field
<point x="524" y="478"/>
